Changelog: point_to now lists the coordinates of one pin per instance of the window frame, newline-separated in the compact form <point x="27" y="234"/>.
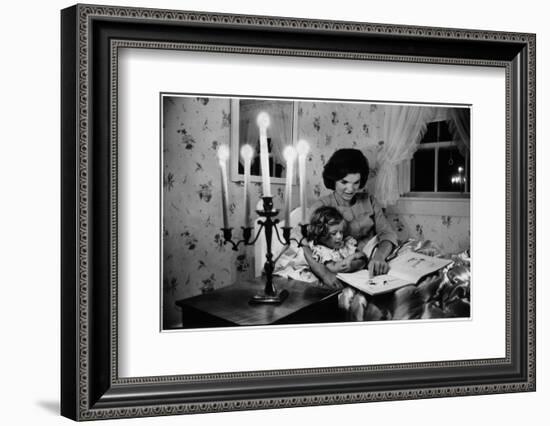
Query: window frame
<point x="406" y="172"/>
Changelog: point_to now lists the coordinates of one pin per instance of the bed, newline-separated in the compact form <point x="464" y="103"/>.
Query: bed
<point x="445" y="294"/>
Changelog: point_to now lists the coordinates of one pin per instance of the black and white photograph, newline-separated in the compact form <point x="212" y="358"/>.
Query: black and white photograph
<point x="280" y="211"/>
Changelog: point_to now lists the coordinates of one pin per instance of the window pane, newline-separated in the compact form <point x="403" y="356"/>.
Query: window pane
<point x="431" y="133"/>
<point x="451" y="170"/>
<point x="444" y="132"/>
<point x="437" y="131"/>
<point x="422" y="170"/>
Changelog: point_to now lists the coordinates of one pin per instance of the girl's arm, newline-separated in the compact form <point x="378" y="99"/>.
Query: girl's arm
<point x="321" y="271"/>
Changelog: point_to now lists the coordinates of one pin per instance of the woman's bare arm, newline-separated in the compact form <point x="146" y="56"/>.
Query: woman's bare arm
<point x="377" y="263"/>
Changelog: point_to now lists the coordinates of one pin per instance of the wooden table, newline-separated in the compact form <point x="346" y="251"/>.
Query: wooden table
<point x="229" y="306"/>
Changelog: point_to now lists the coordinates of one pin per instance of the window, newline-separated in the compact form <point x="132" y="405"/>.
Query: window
<point x="437" y="166"/>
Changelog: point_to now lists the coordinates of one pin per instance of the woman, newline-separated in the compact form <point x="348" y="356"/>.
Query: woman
<point x="346" y="174"/>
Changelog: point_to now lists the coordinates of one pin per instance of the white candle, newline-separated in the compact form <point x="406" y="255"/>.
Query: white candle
<point x="247" y="152"/>
<point x="302" y="148"/>
<point x="223" y="155"/>
<point x="289" y="154"/>
<point x="263" y="124"/>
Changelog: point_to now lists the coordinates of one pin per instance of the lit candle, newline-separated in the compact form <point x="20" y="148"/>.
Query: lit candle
<point x="302" y="148"/>
<point x="223" y="155"/>
<point x="263" y="124"/>
<point x="289" y="154"/>
<point x="462" y="179"/>
<point x="247" y="152"/>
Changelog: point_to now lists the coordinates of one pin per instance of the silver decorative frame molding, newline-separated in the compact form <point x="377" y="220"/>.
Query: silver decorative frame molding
<point x="91" y="388"/>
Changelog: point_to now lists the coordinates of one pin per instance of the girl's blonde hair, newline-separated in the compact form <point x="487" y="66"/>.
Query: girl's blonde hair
<point x="320" y="220"/>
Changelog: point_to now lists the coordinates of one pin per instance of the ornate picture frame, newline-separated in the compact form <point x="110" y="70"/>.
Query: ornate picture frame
<point x="91" y="387"/>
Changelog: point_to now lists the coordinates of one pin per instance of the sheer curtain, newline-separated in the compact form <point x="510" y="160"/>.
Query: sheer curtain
<point x="280" y="129"/>
<point x="404" y="127"/>
<point x="459" y="125"/>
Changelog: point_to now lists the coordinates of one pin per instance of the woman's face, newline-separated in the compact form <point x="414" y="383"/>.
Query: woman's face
<point x="347" y="187"/>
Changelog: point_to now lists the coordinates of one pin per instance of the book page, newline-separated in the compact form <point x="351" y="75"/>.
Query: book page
<point x="406" y="269"/>
<point x="413" y="266"/>
<point x="362" y="281"/>
<point x="358" y="279"/>
<point x="383" y="284"/>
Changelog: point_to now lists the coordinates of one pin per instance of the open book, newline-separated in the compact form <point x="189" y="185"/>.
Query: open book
<point x="406" y="269"/>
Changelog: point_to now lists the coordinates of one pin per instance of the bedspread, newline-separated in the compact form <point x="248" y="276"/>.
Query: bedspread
<point x="442" y="295"/>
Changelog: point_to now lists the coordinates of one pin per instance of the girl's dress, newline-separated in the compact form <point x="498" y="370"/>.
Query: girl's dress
<point x="323" y="254"/>
<point x="293" y="264"/>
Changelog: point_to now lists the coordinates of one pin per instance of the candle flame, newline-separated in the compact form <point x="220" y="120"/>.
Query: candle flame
<point x="263" y="120"/>
<point x="289" y="153"/>
<point x="302" y="148"/>
<point x="247" y="152"/>
<point x="458" y="179"/>
<point x="223" y="153"/>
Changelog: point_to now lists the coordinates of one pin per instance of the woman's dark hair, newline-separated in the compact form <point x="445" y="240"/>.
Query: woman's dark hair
<point x="344" y="162"/>
<point x="320" y="220"/>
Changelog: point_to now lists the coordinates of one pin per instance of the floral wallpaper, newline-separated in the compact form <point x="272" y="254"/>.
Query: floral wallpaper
<point x="329" y="126"/>
<point x="195" y="259"/>
<point x="450" y="233"/>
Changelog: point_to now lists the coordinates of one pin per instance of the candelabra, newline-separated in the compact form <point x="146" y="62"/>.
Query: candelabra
<point x="270" y="294"/>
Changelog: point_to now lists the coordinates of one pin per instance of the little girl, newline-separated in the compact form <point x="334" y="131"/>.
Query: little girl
<point x="328" y="244"/>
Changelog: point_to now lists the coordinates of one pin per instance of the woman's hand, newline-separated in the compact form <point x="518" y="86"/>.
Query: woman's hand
<point x="378" y="266"/>
<point x="345" y="264"/>
<point x="377" y="263"/>
<point x="359" y="255"/>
